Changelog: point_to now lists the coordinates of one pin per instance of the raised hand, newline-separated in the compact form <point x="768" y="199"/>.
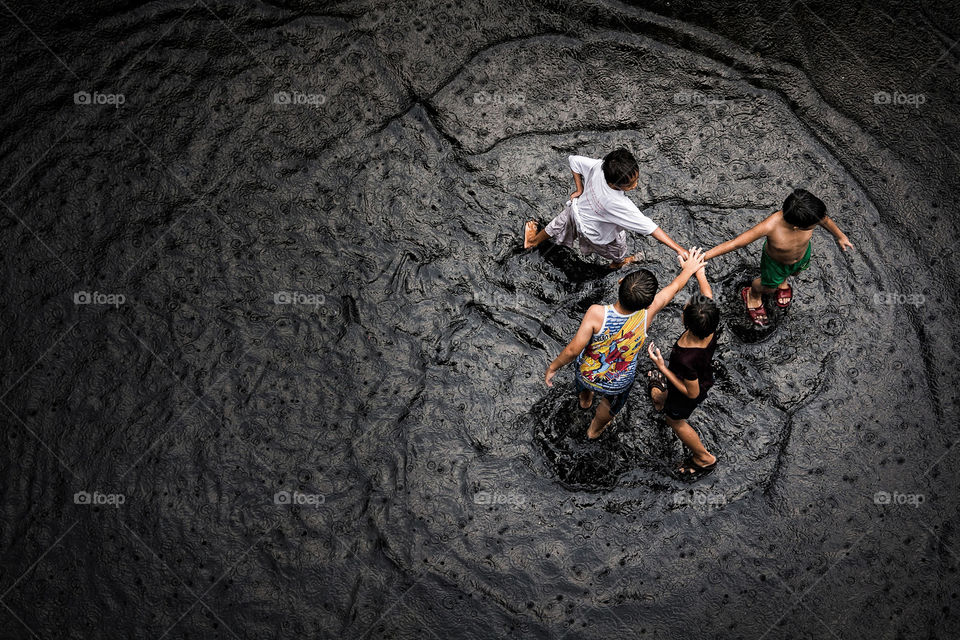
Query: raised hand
<point x="694" y="262"/>
<point x="655" y="355"/>
<point x="548" y="378"/>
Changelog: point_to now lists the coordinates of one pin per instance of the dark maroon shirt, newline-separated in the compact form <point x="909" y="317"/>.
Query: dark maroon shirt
<point x="693" y="363"/>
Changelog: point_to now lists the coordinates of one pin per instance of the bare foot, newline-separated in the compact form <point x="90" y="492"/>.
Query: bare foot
<point x="705" y="461"/>
<point x="619" y="264"/>
<point x="586" y="399"/>
<point x="753" y="300"/>
<point x="599" y="423"/>
<point x="530" y="234"/>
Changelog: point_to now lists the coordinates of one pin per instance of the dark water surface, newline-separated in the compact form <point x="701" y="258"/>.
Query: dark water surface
<point x="441" y="490"/>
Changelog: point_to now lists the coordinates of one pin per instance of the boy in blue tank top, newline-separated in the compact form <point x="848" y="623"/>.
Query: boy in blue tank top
<point x="610" y="338"/>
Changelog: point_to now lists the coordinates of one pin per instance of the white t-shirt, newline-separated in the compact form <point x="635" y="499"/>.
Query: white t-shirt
<point x="603" y="212"/>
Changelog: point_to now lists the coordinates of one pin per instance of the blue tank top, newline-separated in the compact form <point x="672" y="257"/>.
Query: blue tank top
<point x="609" y="363"/>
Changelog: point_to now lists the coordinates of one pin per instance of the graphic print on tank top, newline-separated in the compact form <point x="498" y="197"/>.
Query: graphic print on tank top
<point x="609" y="363"/>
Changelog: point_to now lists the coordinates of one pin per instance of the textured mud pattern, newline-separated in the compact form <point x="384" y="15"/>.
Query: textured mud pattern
<point x="273" y="355"/>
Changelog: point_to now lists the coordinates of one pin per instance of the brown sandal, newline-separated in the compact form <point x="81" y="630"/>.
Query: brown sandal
<point x="784" y="297"/>
<point x="758" y="315"/>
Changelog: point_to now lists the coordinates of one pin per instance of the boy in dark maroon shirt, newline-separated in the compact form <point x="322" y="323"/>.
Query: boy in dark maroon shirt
<point x="679" y="387"/>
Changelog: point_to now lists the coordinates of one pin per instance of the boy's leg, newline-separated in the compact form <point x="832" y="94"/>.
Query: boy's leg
<point x="584" y="393"/>
<point x="616" y="251"/>
<point x="755" y="295"/>
<point x="600" y="419"/>
<point x="586" y="398"/>
<point x="773" y="275"/>
<point x="690" y="438"/>
<point x="562" y="229"/>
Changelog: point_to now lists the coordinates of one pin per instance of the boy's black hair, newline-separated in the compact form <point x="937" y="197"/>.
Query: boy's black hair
<point x="620" y="168"/>
<point x="701" y="316"/>
<point x="637" y="290"/>
<point x="803" y="209"/>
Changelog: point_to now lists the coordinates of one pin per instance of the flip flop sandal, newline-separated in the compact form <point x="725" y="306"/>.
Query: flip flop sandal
<point x="655" y="381"/>
<point x="696" y="472"/>
<point x="784" y="297"/>
<point x="757" y="315"/>
<point x="524" y="234"/>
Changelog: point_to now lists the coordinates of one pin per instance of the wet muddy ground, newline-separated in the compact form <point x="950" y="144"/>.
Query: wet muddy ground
<point x="273" y="354"/>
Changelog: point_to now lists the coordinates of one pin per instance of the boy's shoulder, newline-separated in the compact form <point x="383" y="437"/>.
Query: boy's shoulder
<point x="573" y="157"/>
<point x="595" y="315"/>
<point x="774" y="222"/>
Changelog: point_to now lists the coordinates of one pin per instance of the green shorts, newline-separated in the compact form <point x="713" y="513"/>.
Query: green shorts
<point x="773" y="273"/>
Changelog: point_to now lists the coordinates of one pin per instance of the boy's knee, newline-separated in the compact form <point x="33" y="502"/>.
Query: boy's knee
<point x="675" y="424"/>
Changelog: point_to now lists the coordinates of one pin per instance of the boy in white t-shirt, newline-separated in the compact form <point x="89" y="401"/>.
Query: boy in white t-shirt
<point x="599" y="213"/>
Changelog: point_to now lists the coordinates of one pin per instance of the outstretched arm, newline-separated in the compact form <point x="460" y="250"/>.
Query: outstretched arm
<point x="757" y="231"/>
<point x="831" y="226"/>
<point x="665" y="295"/>
<point x="664" y="238"/>
<point x="592" y="320"/>
<point x="705" y="289"/>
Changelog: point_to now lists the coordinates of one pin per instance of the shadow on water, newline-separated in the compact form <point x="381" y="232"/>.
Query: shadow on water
<point x="733" y="312"/>
<point x="572" y="265"/>
<point x="637" y="440"/>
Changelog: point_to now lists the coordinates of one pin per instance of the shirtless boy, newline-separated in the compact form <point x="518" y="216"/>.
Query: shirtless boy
<point x="786" y="250"/>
